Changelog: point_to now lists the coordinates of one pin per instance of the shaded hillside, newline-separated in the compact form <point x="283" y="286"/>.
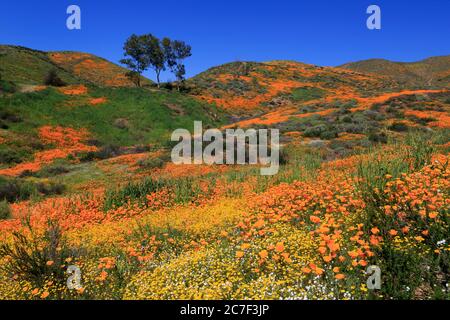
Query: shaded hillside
<point x="26" y="66"/>
<point x="434" y="71"/>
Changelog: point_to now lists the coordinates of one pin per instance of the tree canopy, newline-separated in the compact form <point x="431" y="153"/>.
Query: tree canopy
<point x="147" y="51"/>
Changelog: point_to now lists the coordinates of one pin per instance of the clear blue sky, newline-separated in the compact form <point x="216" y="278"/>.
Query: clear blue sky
<point x="323" y="32"/>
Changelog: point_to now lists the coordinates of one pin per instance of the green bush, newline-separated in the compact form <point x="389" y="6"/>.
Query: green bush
<point x="7" y="86"/>
<point x="378" y="137"/>
<point x="31" y="254"/>
<point x="52" y="79"/>
<point x="328" y="135"/>
<point x="16" y="190"/>
<point x="52" y="170"/>
<point x="315" y="131"/>
<point x="151" y="163"/>
<point x="11" y="156"/>
<point x="50" y="188"/>
<point x="398" y="127"/>
<point x="5" y="210"/>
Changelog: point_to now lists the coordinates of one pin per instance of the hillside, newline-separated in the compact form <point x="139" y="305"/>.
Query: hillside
<point x="90" y="124"/>
<point x="249" y="87"/>
<point x="93" y="69"/>
<point x="434" y="71"/>
<point x="86" y="179"/>
<point x="26" y="66"/>
<point x="308" y="102"/>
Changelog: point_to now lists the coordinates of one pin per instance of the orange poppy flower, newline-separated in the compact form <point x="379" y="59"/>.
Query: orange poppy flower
<point x="393" y="232"/>
<point x="279" y="247"/>
<point x="339" y="276"/>
<point x="263" y="254"/>
<point x="306" y="270"/>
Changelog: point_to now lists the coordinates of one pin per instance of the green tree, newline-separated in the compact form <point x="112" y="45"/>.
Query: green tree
<point x="136" y="57"/>
<point x="156" y="56"/>
<point x="176" y="52"/>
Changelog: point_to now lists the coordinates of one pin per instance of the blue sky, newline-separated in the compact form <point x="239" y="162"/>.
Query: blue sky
<point x="327" y="32"/>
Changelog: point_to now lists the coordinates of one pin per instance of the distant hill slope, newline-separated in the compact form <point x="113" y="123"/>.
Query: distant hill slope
<point x="27" y="66"/>
<point x="245" y="87"/>
<point x="434" y="71"/>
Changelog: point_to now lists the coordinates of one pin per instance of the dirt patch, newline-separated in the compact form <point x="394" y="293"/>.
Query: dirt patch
<point x="32" y="88"/>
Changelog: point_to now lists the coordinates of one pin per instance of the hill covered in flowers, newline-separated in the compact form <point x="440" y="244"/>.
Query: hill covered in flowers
<point x="86" y="181"/>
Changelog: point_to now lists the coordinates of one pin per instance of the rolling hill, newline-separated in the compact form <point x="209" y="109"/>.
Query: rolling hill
<point x="434" y="71"/>
<point x="249" y="87"/>
<point x="86" y="179"/>
<point x="25" y="66"/>
<point x="300" y="99"/>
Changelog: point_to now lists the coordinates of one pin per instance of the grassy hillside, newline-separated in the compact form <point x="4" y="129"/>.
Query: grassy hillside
<point x="26" y="66"/>
<point x="434" y="71"/>
<point x="249" y="87"/>
<point x="340" y="108"/>
<point x="112" y="122"/>
<point x="93" y="69"/>
<point x="86" y="180"/>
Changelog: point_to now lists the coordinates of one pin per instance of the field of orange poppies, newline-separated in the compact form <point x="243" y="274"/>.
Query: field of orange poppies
<point x="91" y="206"/>
<point x="309" y="233"/>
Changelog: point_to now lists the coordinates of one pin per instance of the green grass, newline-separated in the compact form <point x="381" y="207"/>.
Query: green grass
<point x="303" y="94"/>
<point x="148" y="114"/>
<point x="27" y="66"/>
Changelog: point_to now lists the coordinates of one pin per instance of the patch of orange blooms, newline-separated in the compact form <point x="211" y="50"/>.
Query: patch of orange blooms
<point x="74" y="90"/>
<point x="66" y="141"/>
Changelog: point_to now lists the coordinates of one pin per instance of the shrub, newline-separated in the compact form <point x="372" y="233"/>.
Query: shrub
<point x="151" y="163"/>
<point x="7" y="86"/>
<point x="11" y="156"/>
<point x="86" y="156"/>
<point x="52" y="79"/>
<point x="5" y="210"/>
<point x="15" y="190"/>
<point x="108" y="151"/>
<point x="398" y="127"/>
<point x="9" y="117"/>
<point x="315" y="131"/>
<point x="30" y="255"/>
<point x="347" y="119"/>
<point x="378" y="137"/>
<point x="51" y="188"/>
<point x="283" y="157"/>
<point x="52" y="170"/>
<point x="328" y="135"/>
